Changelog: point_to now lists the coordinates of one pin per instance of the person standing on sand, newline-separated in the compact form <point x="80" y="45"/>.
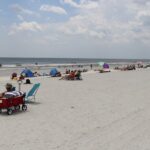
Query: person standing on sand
<point x="91" y="66"/>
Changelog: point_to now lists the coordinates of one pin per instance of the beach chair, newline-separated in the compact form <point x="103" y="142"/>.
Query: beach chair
<point x="31" y="94"/>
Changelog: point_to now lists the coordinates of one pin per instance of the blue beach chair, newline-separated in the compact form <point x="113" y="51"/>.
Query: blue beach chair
<point x="31" y="94"/>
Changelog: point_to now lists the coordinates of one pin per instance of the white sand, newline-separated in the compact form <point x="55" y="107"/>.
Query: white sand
<point x="103" y="112"/>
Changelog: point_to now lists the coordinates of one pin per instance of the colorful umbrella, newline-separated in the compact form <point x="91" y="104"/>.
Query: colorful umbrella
<point x="103" y="65"/>
<point x="106" y="66"/>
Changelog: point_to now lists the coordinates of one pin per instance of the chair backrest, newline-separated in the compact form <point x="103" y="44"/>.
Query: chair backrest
<point x="33" y="90"/>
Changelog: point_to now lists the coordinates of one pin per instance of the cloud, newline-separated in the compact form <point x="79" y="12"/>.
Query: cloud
<point x="72" y="3"/>
<point x="75" y="25"/>
<point x="143" y="13"/>
<point x="111" y="20"/>
<point x="83" y="4"/>
<point x="25" y="26"/>
<point x="141" y="2"/>
<point x="20" y="10"/>
<point x="53" y="9"/>
<point x="20" y="17"/>
<point x="36" y="1"/>
<point x="91" y="28"/>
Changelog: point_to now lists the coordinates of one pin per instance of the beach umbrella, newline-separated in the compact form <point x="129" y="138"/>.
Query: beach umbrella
<point x="106" y="66"/>
<point x="100" y="64"/>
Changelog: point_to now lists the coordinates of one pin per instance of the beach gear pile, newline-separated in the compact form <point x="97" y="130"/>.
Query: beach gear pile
<point x="126" y="68"/>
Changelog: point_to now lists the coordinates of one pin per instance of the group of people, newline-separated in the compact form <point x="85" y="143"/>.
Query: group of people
<point x="72" y="75"/>
<point x="68" y="71"/>
<point x="58" y="74"/>
<point x="14" y="76"/>
<point x="69" y="75"/>
<point x="22" y="76"/>
<point x="128" y="67"/>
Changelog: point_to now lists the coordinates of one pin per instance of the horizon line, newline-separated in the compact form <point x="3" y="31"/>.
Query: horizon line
<point x="75" y="58"/>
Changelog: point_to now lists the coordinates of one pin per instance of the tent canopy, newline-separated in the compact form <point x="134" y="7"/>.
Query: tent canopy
<point x="53" y="72"/>
<point x="27" y="73"/>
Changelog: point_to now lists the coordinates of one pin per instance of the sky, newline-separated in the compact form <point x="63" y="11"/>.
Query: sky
<point x="75" y="28"/>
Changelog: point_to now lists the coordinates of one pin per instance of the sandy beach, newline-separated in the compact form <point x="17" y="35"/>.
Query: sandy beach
<point x="103" y="111"/>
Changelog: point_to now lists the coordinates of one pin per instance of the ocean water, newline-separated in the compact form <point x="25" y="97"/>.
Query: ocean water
<point x="45" y="61"/>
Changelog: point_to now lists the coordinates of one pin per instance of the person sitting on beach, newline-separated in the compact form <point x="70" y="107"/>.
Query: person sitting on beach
<point x="67" y="77"/>
<point x="27" y="81"/>
<point x="78" y="75"/>
<point x="71" y="76"/>
<point x="67" y="71"/>
<point x="21" y="77"/>
<point x="36" y="74"/>
<point x="64" y="77"/>
<point x="9" y="88"/>
<point x="14" y="76"/>
<point x="10" y="92"/>
<point x="58" y="74"/>
<point x="116" y="68"/>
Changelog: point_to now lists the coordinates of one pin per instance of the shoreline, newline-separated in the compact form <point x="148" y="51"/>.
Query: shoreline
<point x="9" y="66"/>
<point x="7" y="70"/>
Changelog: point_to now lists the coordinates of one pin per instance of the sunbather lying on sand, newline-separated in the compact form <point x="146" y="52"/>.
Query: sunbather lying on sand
<point x="125" y="68"/>
<point x="74" y="75"/>
<point x="71" y="76"/>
